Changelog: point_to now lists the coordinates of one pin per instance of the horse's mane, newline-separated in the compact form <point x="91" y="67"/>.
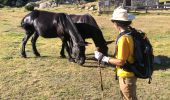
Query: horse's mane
<point x="75" y="33"/>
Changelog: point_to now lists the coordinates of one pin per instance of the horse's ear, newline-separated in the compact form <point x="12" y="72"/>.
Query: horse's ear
<point x="87" y="43"/>
<point x="109" y="42"/>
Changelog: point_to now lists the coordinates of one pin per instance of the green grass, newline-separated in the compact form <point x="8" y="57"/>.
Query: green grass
<point x="49" y="77"/>
<point x="163" y="0"/>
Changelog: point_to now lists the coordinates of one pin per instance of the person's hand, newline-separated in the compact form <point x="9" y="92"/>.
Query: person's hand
<point x="100" y="57"/>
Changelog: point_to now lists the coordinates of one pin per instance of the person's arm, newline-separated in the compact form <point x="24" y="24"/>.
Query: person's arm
<point x="122" y="55"/>
<point x="116" y="62"/>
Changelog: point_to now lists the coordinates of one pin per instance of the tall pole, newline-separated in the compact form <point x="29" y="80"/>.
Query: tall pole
<point x="123" y="4"/>
<point x="99" y="7"/>
<point x="157" y="4"/>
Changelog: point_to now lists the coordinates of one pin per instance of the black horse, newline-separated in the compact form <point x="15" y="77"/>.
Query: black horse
<point x="88" y="28"/>
<point x="52" y="25"/>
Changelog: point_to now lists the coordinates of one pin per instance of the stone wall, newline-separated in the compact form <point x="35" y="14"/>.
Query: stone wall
<point x="138" y="2"/>
<point x="143" y="2"/>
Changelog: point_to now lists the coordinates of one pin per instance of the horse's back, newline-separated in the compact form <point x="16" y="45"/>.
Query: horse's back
<point x="49" y="24"/>
<point x="88" y="28"/>
<point x="84" y="18"/>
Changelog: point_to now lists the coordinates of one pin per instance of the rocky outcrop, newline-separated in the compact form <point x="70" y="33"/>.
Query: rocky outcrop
<point x="89" y="6"/>
<point x="47" y="4"/>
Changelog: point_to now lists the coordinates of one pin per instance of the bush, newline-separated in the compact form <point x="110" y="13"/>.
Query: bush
<point x="30" y="6"/>
<point x="13" y="2"/>
<point x="90" y="0"/>
<point x="5" y="2"/>
<point x="1" y="5"/>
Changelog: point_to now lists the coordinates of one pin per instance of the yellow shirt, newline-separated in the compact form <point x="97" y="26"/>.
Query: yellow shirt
<point x="125" y="52"/>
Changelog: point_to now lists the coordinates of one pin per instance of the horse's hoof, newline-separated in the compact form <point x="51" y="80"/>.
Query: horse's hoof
<point x="71" y="60"/>
<point x="81" y="62"/>
<point x="62" y="56"/>
<point x="23" y="56"/>
<point x="37" y="55"/>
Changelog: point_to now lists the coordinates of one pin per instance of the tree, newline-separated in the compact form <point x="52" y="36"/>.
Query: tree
<point x="13" y="2"/>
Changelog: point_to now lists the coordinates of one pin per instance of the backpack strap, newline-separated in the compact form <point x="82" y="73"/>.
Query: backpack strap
<point x="116" y="48"/>
<point x="117" y="39"/>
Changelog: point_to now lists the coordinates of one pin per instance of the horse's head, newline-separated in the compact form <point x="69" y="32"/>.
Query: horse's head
<point x="79" y="53"/>
<point x="78" y="49"/>
<point x="103" y="49"/>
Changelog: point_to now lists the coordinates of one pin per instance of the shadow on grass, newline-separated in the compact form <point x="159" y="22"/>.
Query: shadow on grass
<point x="89" y="54"/>
<point x="93" y="65"/>
<point x="91" y="62"/>
<point x="40" y="57"/>
<point x="165" y="63"/>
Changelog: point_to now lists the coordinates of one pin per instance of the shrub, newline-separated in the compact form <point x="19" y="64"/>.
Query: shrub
<point x="30" y="6"/>
<point x="1" y="5"/>
<point x="5" y="2"/>
<point x="90" y="0"/>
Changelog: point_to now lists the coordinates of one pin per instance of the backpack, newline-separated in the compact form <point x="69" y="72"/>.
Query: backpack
<point x="143" y="55"/>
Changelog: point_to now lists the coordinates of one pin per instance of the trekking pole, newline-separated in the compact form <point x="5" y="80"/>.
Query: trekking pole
<point x="101" y="80"/>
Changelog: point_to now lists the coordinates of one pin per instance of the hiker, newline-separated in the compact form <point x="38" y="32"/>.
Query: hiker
<point x="123" y="53"/>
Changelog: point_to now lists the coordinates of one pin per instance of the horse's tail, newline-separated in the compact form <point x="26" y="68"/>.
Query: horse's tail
<point x="22" y="22"/>
<point x="29" y="21"/>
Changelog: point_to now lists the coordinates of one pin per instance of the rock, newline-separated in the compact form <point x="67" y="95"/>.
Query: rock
<point x="43" y="5"/>
<point x="47" y="4"/>
<point x="82" y="6"/>
<point x="92" y="8"/>
<point x="86" y="8"/>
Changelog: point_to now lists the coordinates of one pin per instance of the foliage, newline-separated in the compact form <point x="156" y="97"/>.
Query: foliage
<point x="11" y="2"/>
<point x="5" y="2"/>
<point x="30" y="6"/>
<point x="90" y="0"/>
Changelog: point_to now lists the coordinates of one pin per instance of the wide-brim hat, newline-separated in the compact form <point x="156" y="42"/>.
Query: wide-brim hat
<point x="121" y="14"/>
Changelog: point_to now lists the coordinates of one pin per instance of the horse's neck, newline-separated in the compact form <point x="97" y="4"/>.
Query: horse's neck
<point x="98" y="39"/>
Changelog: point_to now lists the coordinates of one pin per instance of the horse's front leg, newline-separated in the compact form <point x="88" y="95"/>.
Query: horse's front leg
<point x="69" y="51"/>
<point x="62" y="55"/>
<point x="24" y="42"/>
<point x="33" y="41"/>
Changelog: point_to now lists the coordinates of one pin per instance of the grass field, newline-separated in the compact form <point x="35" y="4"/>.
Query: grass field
<point x="51" y="78"/>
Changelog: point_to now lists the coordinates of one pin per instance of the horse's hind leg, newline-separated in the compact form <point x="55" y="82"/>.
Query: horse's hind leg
<point x="33" y="40"/>
<point x="24" y="42"/>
